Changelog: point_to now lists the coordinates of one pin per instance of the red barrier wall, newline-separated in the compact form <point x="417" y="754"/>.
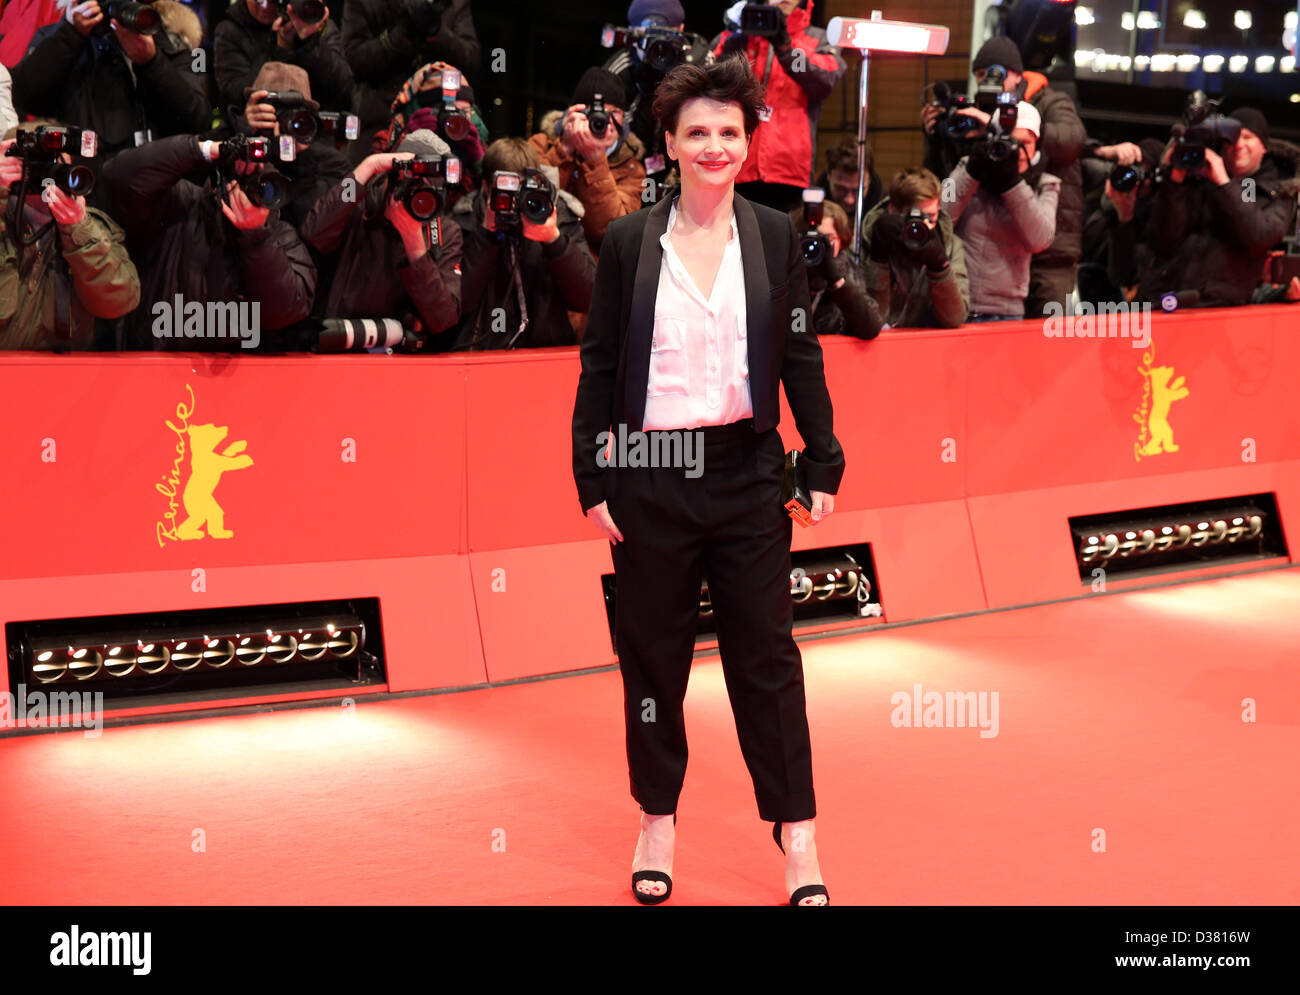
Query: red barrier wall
<point x="442" y="485"/>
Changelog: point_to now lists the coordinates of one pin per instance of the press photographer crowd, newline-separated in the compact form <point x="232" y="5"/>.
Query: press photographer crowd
<point x="329" y="178"/>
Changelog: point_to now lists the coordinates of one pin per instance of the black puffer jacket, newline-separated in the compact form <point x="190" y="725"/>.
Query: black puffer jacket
<point x="90" y="83"/>
<point x="242" y="45"/>
<point x="1061" y="143"/>
<point x="184" y="245"/>
<point x="1214" y="239"/>
<point x="383" y="57"/>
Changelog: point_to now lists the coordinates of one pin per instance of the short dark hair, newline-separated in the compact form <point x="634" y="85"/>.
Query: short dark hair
<point x="913" y="185"/>
<point x="508" y="155"/>
<point x="727" y="80"/>
<point x="844" y="156"/>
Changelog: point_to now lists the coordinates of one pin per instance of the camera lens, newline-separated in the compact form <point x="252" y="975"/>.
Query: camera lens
<point x="661" y="55"/>
<point x="454" y="125"/>
<point x="77" y="181"/>
<point x="1124" y="178"/>
<point x="999" y="150"/>
<point x="302" y="125"/>
<point x="537" y="206"/>
<point x="813" y="248"/>
<point x="422" y="203"/>
<point x="598" y="122"/>
<point x="267" y="189"/>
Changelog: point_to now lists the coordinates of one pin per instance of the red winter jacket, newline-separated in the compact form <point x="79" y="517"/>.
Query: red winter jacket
<point x="782" y="148"/>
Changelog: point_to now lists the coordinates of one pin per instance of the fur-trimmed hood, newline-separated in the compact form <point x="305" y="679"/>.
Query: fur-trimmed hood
<point x="181" y="21"/>
<point x="1287" y="159"/>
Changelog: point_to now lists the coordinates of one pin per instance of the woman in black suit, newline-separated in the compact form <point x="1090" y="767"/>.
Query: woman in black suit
<point x="700" y="312"/>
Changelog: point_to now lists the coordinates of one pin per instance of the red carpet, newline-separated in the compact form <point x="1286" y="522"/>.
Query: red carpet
<point x="1119" y="713"/>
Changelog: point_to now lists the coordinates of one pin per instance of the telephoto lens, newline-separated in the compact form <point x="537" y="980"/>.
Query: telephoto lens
<point x="137" y="17"/>
<point x="359" y="334"/>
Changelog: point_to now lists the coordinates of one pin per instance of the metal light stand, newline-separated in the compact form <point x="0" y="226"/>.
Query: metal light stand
<point x="883" y="36"/>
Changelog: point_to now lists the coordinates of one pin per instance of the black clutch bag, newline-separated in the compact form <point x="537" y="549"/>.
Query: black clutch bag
<point x="794" y="489"/>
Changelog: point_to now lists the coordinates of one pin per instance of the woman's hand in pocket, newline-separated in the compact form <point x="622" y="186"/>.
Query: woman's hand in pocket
<point x="600" y="515"/>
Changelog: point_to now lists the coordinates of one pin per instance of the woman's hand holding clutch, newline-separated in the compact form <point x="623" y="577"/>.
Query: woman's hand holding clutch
<point x="823" y="504"/>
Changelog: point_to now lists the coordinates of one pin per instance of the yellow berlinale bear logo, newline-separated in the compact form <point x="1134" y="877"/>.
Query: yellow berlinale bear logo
<point x="1160" y="390"/>
<point x="204" y="516"/>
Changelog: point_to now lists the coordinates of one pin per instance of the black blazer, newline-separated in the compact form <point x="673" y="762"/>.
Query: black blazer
<point x="616" y="345"/>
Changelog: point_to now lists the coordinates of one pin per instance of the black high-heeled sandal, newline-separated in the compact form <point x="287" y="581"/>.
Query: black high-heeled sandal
<point x="808" y="890"/>
<point x="658" y="877"/>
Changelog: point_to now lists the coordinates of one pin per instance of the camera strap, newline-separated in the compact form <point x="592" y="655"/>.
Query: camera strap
<point x="519" y="294"/>
<point x="62" y="306"/>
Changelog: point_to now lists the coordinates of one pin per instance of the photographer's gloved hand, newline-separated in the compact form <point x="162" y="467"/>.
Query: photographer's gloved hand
<point x="885" y="235"/>
<point x="548" y="232"/>
<point x="995" y="177"/>
<point x="930" y="253"/>
<point x="423" y="18"/>
<point x="736" y="42"/>
<point x="829" y="273"/>
<point x="781" y="40"/>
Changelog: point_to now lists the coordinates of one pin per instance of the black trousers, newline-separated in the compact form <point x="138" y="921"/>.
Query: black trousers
<point x="726" y="525"/>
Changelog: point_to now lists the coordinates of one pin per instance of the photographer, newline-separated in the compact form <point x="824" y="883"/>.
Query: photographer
<point x="316" y="166"/>
<point x="520" y="280"/>
<point x="780" y="163"/>
<point x="384" y="262"/>
<point x="840" y="302"/>
<point x="127" y="87"/>
<point x="1115" y="245"/>
<point x="1213" y="226"/>
<point x="73" y="269"/>
<point x="206" y="243"/>
<point x="1004" y="210"/>
<point x="602" y="171"/>
<point x="918" y="281"/>
<point x="386" y="41"/>
<point x="8" y="116"/>
<point x="840" y="179"/>
<point x="255" y="32"/>
<point x="635" y="65"/>
<point x="1052" y="273"/>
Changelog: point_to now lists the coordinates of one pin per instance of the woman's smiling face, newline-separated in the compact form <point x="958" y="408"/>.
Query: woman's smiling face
<point x="710" y="144"/>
